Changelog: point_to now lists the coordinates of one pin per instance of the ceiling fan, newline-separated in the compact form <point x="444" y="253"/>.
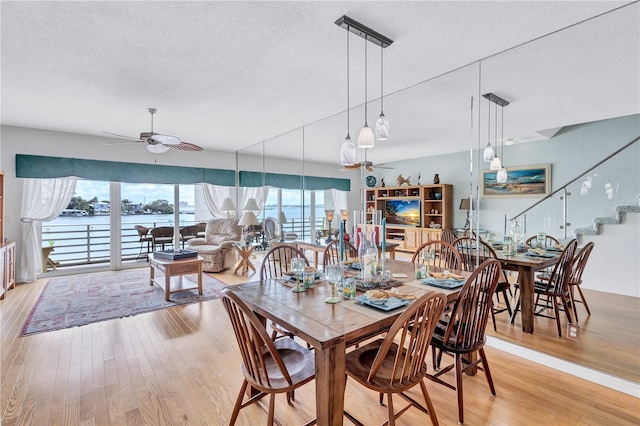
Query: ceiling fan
<point x="368" y="165"/>
<point x="158" y="143"/>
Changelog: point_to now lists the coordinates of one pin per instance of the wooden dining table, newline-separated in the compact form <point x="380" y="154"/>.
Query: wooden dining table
<point x="526" y="267"/>
<point x="329" y="328"/>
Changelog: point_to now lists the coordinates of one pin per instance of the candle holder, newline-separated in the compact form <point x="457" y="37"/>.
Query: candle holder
<point x="329" y="215"/>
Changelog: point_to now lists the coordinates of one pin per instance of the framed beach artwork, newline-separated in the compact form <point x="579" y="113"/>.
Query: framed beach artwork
<point x="522" y="181"/>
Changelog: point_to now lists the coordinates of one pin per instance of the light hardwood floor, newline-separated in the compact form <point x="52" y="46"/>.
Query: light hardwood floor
<point x="181" y="366"/>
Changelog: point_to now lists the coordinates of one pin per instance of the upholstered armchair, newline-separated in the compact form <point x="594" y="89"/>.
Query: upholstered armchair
<point x="216" y="247"/>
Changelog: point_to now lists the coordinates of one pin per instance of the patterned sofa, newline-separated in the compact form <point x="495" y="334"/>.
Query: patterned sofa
<point x="217" y="245"/>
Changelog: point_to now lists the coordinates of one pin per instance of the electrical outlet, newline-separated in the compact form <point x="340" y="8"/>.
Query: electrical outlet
<point x="573" y="332"/>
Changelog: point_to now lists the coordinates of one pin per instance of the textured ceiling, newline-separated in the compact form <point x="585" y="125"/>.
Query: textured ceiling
<point x="226" y="75"/>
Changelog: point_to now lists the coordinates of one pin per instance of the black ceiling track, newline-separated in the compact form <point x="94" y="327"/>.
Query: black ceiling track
<point x="492" y="97"/>
<point x="363" y="31"/>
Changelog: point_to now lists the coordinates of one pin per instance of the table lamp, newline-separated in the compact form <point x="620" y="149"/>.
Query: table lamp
<point x="465" y="204"/>
<point x="227" y="205"/>
<point x="329" y="215"/>
<point x="249" y="220"/>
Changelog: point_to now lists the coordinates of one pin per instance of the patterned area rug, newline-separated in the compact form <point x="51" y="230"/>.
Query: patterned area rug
<point x="76" y="300"/>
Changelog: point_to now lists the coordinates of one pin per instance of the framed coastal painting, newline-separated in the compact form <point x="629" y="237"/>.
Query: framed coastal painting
<point x="522" y="181"/>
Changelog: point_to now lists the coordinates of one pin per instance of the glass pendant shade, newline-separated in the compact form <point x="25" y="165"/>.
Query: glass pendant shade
<point x="488" y="153"/>
<point x="382" y="127"/>
<point x="347" y="152"/>
<point x="366" y="139"/>
<point x="496" y="164"/>
<point x="157" y="148"/>
<point x="501" y="176"/>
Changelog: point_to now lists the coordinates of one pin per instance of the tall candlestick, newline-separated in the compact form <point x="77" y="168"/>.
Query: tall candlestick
<point x="505" y="225"/>
<point x="342" y="242"/>
<point x="525" y="224"/>
<point x="384" y="236"/>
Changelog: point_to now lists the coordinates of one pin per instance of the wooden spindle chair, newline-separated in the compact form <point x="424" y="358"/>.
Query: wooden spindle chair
<point x="446" y="255"/>
<point x="575" y="279"/>
<point x="331" y="254"/>
<point x="448" y="235"/>
<point x="468" y="251"/>
<point x="270" y="367"/>
<point x="463" y="332"/>
<point x="555" y="287"/>
<point x="396" y="363"/>
<point x="549" y="241"/>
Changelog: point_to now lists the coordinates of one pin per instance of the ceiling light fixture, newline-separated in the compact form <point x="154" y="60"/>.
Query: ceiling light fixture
<point x="496" y="164"/>
<point x="382" y="124"/>
<point x="501" y="176"/>
<point x="366" y="138"/>
<point x="348" y="149"/>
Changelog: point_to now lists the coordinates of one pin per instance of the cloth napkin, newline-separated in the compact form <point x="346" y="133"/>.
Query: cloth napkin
<point x="442" y="276"/>
<point x="399" y="295"/>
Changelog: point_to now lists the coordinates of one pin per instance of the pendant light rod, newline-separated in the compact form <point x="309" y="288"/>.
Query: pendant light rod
<point x="348" y="103"/>
<point x="363" y="31"/>
<point x="381" y="80"/>
<point x="365" y="84"/>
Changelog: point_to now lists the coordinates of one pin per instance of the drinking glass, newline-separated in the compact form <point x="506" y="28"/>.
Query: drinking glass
<point x="333" y="273"/>
<point x="429" y="256"/>
<point x="541" y="239"/>
<point x="420" y="271"/>
<point x="297" y="267"/>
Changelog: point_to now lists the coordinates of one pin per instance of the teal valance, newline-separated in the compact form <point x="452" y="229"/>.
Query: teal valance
<point x="44" y="167"/>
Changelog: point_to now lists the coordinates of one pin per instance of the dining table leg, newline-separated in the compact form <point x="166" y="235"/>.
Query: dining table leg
<point x="527" y="279"/>
<point x="330" y="384"/>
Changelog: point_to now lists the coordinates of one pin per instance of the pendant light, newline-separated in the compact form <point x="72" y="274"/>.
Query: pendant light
<point x="366" y="138"/>
<point x="382" y="124"/>
<point x="348" y="149"/>
<point x="501" y="176"/>
<point x="488" y="150"/>
<point x="495" y="162"/>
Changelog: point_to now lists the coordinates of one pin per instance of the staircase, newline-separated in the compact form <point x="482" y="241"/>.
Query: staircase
<point x="615" y="219"/>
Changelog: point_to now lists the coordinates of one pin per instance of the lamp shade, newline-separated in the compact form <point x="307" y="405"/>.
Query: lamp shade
<point x="366" y="139"/>
<point x="248" y="219"/>
<point x="227" y="205"/>
<point x="282" y="218"/>
<point x="251" y="204"/>
<point x="465" y="204"/>
<point x="166" y="139"/>
<point x="382" y="128"/>
<point x="344" y="214"/>
<point x="488" y="153"/>
<point x="496" y="164"/>
<point x="157" y="148"/>
<point x="347" y="152"/>
<point x="501" y="176"/>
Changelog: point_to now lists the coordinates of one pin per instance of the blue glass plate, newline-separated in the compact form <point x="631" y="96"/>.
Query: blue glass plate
<point x="448" y="284"/>
<point x="392" y="303"/>
<point x="546" y="255"/>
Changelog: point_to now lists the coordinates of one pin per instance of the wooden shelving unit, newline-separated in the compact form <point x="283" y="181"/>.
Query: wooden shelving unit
<point x="436" y="204"/>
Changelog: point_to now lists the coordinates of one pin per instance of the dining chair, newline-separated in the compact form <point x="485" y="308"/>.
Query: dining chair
<point x="448" y="235"/>
<point x="268" y="366"/>
<point x="395" y="364"/>
<point x="549" y="240"/>
<point x="446" y="255"/>
<point x="331" y="254"/>
<point x="187" y="233"/>
<point x="575" y="278"/>
<point x="463" y="331"/>
<point x="555" y="287"/>
<point x="143" y="237"/>
<point x="469" y="252"/>
<point x="160" y="236"/>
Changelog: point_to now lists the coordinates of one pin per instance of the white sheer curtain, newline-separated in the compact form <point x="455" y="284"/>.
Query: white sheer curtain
<point x="42" y="200"/>
<point x="339" y="200"/>
<point x="259" y="193"/>
<point x="214" y="195"/>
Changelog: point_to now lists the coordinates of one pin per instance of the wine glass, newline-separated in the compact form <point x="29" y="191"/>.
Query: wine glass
<point x="333" y="273"/>
<point x="429" y="256"/>
<point x="297" y="267"/>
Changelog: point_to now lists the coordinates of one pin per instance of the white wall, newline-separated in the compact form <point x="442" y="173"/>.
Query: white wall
<point x="570" y="152"/>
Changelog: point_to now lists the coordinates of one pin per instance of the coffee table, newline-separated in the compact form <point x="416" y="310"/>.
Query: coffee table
<point x="173" y="270"/>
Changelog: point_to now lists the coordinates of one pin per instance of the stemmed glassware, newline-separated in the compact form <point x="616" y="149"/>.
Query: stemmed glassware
<point x="333" y="273"/>
<point x="297" y="267"/>
<point x="429" y="256"/>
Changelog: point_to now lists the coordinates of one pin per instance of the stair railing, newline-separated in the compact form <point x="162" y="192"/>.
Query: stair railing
<point x="566" y="194"/>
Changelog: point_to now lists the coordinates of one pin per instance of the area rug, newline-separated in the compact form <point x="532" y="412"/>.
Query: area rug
<point x="77" y="300"/>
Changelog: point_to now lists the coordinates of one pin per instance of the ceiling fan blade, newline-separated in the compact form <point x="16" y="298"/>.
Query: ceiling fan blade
<point x="131" y="142"/>
<point x="185" y="146"/>
<point x="124" y="137"/>
<point x="166" y="139"/>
